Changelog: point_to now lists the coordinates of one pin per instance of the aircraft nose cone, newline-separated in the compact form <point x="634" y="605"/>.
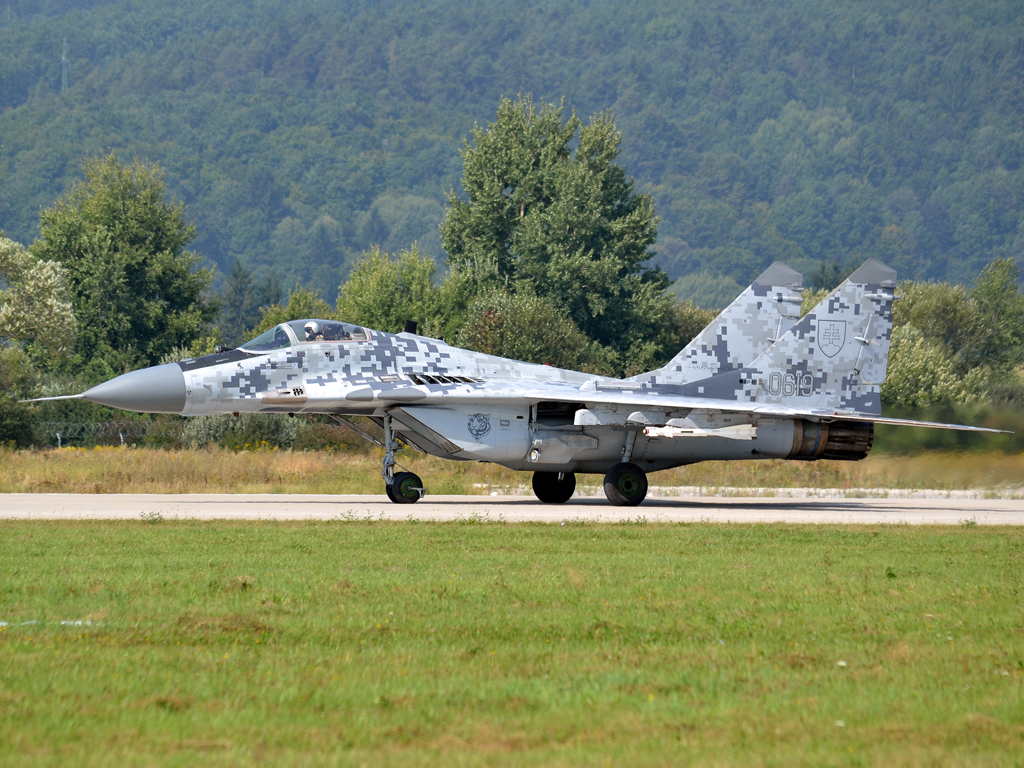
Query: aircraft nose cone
<point x="160" y="389"/>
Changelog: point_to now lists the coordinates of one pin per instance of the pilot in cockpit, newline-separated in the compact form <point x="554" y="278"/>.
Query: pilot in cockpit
<point x="313" y="331"/>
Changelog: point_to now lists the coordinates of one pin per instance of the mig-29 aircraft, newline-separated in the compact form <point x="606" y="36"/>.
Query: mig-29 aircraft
<point x="759" y="382"/>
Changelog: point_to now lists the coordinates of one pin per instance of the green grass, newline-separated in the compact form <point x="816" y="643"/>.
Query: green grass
<point x="492" y="644"/>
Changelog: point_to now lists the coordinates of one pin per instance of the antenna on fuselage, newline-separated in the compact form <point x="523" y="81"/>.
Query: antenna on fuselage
<point x="410" y="326"/>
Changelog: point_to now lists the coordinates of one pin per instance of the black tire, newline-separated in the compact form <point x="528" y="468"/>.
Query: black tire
<point x="406" y="488"/>
<point x="551" y="490"/>
<point x="387" y="490"/>
<point x="625" y="485"/>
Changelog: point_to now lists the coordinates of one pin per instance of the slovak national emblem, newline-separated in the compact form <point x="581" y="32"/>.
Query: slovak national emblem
<point x="831" y="337"/>
<point x="479" y="424"/>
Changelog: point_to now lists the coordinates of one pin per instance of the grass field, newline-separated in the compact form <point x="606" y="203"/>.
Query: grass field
<point x="215" y="470"/>
<point x="489" y="644"/>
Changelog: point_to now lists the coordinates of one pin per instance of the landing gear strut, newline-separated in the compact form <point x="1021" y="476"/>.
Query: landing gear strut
<point x="405" y="487"/>
<point x="625" y="485"/>
<point x="554" y="487"/>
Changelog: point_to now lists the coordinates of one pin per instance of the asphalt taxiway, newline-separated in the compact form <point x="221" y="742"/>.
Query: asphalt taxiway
<point x="512" y="509"/>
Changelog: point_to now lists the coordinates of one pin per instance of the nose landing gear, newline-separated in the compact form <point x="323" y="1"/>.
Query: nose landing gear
<point x="407" y="488"/>
<point x="404" y="487"/>
<point x="625" y="485"/>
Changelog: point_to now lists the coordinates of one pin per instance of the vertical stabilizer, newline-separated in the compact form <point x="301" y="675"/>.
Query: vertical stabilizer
<point x="761" y="314"/>
<point x="834" y="359"/>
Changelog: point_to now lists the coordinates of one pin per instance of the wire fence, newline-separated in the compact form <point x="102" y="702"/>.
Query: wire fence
<point x="68" y="432"/>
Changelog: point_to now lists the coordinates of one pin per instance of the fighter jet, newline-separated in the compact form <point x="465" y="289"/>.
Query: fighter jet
<point x="759" y="382"/>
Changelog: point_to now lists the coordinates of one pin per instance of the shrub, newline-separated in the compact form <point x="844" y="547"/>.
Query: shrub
<point x="252" y="430"/>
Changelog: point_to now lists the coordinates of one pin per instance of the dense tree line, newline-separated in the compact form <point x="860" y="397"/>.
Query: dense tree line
<point x="302" y="134"/>
<point x="548" y="263"/>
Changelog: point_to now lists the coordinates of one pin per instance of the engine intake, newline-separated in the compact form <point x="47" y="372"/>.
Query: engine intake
<point x="837" y="440"/>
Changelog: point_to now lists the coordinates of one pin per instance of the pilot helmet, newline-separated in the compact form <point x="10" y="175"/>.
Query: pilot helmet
<point x="311" y="329"/>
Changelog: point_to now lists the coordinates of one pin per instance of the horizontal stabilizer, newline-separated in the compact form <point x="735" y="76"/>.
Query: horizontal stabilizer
<point x="912" y="423"/>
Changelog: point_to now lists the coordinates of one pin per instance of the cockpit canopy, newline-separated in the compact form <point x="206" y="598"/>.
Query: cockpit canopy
<point x="276" y="338"/>
<point x="303" y="332"/>
<point x="327" y="330"/>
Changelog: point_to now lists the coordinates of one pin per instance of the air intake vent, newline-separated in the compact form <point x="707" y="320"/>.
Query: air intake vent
<point x="424" y="379"/>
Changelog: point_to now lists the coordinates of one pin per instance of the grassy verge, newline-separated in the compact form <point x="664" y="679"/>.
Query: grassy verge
<point x="472" y="644"/>
<point x="215" y="470"/>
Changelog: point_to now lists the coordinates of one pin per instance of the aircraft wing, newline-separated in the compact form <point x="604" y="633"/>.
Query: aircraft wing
<point x="599" y="394"/>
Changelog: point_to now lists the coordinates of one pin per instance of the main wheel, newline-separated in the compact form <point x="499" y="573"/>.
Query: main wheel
<point x="406" y="488"/>
<point x="387" y="490"/>
<point x="625" y="485"/>
<point x="554" y="487"/>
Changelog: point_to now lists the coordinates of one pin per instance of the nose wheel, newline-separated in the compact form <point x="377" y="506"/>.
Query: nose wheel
<point x="625" y="485"/>
<point x="407" y="488"/>
<point x="403" y="487"/>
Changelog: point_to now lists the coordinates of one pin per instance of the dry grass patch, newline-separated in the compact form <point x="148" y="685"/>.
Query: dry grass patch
<point x="216" y="470"/>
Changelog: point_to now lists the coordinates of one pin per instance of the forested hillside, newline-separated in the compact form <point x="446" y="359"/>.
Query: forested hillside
<point x="301" y="133"/>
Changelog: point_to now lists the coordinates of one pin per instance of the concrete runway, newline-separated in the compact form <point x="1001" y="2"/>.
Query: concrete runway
<point x="928" y="511"/>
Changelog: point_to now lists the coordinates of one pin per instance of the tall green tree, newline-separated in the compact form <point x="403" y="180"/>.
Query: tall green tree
<point x="302" y="303"/>
<point x="560" y="222"/>
<point x="999" y="339"/>
<point x="35" y="308"/>
<point x="244" y="299"/>
<point x="385" y="290"/>
<point x="137" y="292"/>
<point x="526" y="327"/>
<point x="957" y="345"/>
<point x="36" y="322"/>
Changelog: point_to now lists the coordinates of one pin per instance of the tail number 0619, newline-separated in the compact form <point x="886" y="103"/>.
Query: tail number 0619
<point x="790" y="384"/>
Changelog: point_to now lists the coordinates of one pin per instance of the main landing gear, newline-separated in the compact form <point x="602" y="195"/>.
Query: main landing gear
<point x="404" y="487"/>
<point x="625" y="485"/>
<point x="554" y="487"/>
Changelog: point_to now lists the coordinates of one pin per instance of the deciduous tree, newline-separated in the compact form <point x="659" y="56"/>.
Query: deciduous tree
<point x="302" y="303"/>
<point x="136" y="290"/>
<point x="560" y="222"/>
<point x="35" y="308"/>
<point x="526" y="327"/>
<point x="385" y="290"/>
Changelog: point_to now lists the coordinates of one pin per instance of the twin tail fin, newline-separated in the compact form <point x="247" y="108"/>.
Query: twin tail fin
<point x="764" y="312"/>
<point x="832" y="361"/>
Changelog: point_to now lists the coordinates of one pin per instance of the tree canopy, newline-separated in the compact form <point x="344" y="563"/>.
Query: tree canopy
<point x="244" y="299"/>
<point x="35" y="308"/>
<point x="384" y="291"/>
<point x="559" y="219"/>
<point x="526" y="327"/>
<point x="957" y="345"/>
<point x="137" y="292"/>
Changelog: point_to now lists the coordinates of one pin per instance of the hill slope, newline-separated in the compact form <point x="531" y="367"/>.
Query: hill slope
<point x="300" y="133"/>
